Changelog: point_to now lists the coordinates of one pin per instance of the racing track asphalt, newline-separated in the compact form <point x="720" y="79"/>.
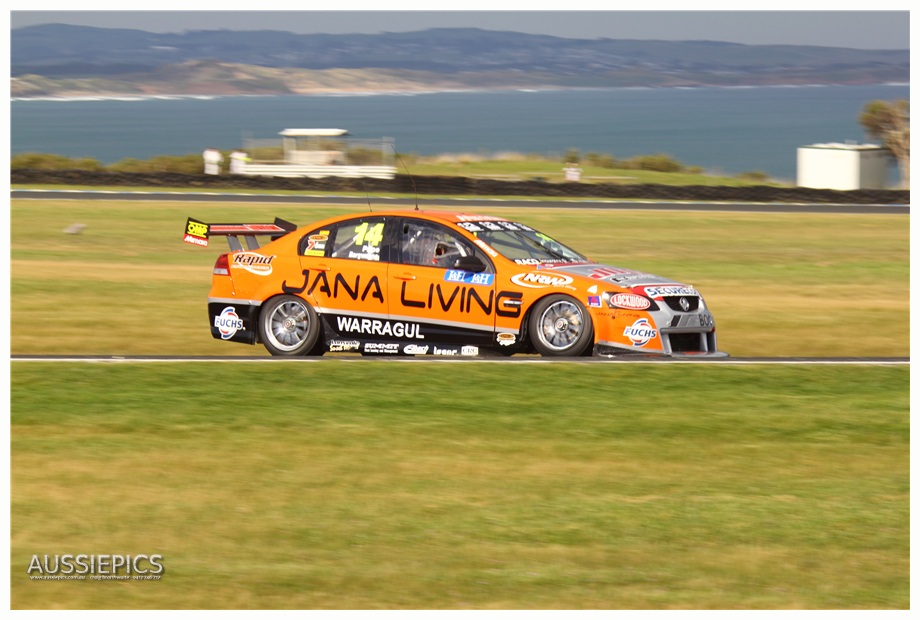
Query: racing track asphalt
<point x="461" y="203"/>
<point x="524" y="359"/>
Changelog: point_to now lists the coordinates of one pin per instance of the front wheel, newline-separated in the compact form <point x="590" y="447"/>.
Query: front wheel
<point x="288" y="325"/>
<point x="560" y="326"/>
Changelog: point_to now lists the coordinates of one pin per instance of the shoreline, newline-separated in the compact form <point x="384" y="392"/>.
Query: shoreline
<point x="129" y="97"/>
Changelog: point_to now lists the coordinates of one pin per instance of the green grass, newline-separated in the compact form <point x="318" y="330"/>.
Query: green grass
<point x="778" y="284"/>
<point x="506" y="166"/>
<point x="563" y="486"/>
<point x="528" y="168"/>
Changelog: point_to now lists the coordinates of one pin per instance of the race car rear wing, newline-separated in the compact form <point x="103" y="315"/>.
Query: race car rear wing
<point x="198" y="233"/>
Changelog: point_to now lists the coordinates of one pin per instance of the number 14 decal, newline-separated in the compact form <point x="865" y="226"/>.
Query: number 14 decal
<point x="371" y="235"/>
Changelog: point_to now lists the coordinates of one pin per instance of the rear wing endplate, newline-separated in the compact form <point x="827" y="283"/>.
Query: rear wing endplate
<point x="198" y="233"/>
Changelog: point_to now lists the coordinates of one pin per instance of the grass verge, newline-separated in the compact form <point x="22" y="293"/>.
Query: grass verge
<point x="344" y="486"/>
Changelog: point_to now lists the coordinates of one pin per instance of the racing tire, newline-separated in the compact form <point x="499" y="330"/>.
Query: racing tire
<point x="289" y="326"/>
<point x="560" y="326"/>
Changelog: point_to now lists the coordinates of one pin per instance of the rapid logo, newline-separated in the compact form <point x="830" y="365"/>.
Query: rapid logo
<point x="629" y="301"/>
<point x="228" y="323"/>
<point x="254" y="263"/>
<point x="640" y="332"/>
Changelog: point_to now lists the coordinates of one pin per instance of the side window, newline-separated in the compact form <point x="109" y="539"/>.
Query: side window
<point x="431" y="245"/>
<point x="315" y="243"/>
<point x="361" y="239"/>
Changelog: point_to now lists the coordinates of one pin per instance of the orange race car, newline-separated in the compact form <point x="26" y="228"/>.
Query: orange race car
<point x="434" y="283"/>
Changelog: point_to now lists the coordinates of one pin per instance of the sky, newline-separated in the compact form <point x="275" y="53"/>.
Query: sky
<point x="888" y="28"/>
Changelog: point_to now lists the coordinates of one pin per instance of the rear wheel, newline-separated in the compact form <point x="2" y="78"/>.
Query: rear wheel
<point x="288" y="325"/>
<point x="560" y="326"/>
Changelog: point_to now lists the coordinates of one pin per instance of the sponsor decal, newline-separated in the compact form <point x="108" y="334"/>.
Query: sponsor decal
<point x="228" y="323"/>
<point x="605" y="272"/>
<point x="480" y="218"/>
<point x="594" y="301"/>
<point x="377" y="327"/>
<point x="343" y="345"/>
<point x="630" y="301"/>
<point x="505" y="339"/>
<point x="440" y="351"/>
<point x="368" y="252"/>
<point x="468" y="350"/>
<point x="670" y="290"/>
<point x="484" y="222"/>
<point x="640" y="333"/>
<point x="320" y="284"/>
<point x="316" y="245"/>
<point x="195" y="240"/>
<point x="415" y="349"/>
<point x="381" y="347"/>
<point x="485" y="247"/>
<point x="468" y="277"/>
<point x="541" y="280"/>
<point x="242" y="229"/>
<point x="196" y="232"/>
<point x="466" y="298"/>
<point x="253" y="263"/>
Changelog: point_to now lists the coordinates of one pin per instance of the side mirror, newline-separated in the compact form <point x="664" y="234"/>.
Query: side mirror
<point x="470" y="263"/>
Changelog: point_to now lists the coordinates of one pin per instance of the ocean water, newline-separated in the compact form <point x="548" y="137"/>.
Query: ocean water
<point x="723" y="130"/>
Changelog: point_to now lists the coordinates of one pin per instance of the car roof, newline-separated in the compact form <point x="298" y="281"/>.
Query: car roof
<point x="452" y="217"/>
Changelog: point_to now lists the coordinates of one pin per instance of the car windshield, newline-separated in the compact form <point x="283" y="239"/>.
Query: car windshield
<point x="521" y="243"/>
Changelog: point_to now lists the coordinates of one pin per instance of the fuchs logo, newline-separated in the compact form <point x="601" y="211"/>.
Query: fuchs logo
<point x="228" y="323"/>
<point x="629" y="301"/>
<point x="254" y="263"/>
<point x="640" y="332"/>
<point x="469" y="350"/>
<point x="674" y="290"/>
<point x="540" y="280"/>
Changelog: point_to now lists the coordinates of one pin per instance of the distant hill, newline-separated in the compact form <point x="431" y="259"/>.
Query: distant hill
<point x="58" y="59"/>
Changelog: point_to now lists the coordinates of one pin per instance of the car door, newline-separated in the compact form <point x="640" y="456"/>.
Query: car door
<point x="344" y="273"/>
<point x="452" y="306"/>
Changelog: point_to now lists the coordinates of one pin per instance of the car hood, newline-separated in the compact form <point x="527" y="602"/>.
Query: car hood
<point x="619" y="276"/>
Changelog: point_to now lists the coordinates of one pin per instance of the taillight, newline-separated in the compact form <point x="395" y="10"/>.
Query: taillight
<point x="222" y="266"/>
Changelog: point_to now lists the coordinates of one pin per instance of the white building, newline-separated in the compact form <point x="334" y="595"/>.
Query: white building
<point x="843" y="166"/>
<point x="319" y="153"/>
